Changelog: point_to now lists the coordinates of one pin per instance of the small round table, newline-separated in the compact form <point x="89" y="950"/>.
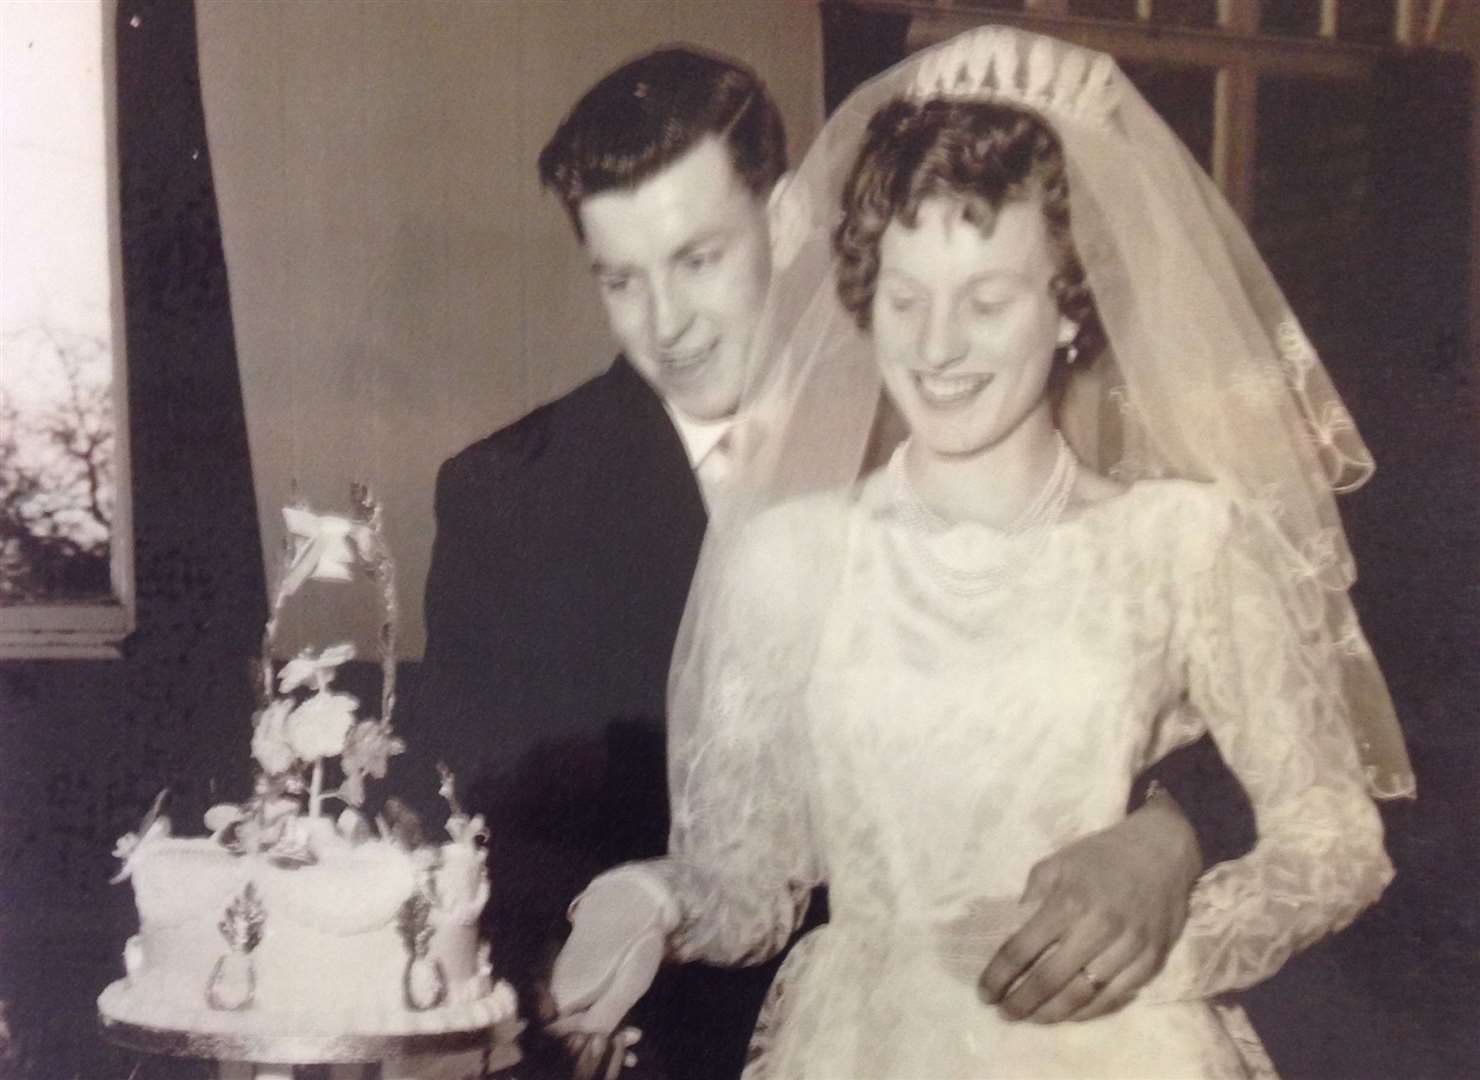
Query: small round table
<point x="273" y="1057"/>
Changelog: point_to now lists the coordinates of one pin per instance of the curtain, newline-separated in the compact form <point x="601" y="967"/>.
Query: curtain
<point x="399" y="284"/>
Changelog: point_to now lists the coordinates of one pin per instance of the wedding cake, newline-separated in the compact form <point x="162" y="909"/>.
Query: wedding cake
<point x="293" y="922"/>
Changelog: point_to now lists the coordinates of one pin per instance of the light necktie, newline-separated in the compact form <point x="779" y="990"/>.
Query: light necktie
<point x="714" y="471"/>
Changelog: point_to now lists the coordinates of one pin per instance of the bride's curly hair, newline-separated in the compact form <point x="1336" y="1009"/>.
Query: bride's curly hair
<point x="981" y="153"/>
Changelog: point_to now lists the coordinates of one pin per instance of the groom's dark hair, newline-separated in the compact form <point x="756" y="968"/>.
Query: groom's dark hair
<point x="652" y="110"/>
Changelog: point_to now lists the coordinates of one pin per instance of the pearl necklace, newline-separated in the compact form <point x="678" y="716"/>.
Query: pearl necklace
<point x="1036" y="519"/>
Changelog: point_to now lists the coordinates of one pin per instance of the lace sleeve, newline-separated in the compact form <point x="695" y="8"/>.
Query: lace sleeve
<point x="741" y="863"/>
<point x="1265" y="679"/>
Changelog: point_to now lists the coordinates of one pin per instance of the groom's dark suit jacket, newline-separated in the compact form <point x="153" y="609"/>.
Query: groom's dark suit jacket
<point x="565" y="547"/>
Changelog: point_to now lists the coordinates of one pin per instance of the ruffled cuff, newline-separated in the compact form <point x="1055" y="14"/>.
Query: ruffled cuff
<point x="666" y="915"/>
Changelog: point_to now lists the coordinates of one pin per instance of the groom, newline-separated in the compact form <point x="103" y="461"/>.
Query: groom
<point x="564" y="551"/>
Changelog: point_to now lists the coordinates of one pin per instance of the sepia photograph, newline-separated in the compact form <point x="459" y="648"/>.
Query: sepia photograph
<point x="718" y="539"/>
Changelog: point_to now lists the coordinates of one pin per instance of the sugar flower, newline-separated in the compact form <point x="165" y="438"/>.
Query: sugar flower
<point x="367" y="752"/>
<point x="318" y="727"/>
<point x="223" y="816"/>
<point x="468" y="830"/>
<point x="270" y="745"/>
<point x="306" y="669"/>
<point x="154" y="826"/>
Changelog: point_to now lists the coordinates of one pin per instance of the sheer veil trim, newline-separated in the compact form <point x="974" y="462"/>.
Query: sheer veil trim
<point x="1207" y="375"/>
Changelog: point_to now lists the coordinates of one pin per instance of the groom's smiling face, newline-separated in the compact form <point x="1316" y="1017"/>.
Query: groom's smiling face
<point x="682" y="262"/>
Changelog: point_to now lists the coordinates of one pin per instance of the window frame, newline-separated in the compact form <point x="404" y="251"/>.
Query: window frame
<point x="1236" y="50"/>
<point x="64" y="630"/>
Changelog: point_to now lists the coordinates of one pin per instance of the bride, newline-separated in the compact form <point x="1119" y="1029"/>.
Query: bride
<point x="1109" y="528"/>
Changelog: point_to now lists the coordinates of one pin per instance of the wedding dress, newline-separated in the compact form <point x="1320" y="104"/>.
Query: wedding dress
<point x="915" y="712"/>
<point x="977" y="701"/>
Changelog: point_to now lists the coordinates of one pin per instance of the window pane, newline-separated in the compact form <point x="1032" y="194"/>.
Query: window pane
<point x="56" y="369"/>
<point x="1185" y="12"/>
<point x="1312" y="184"/>
<point x="1184" y="98"/>
<point x="1295" y="17"/>
<point x="1103" y="9"/>
<point x="1366" y="20"/>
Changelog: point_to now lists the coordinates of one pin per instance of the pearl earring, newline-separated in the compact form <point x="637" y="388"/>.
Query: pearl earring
<point x="1068" y="331"/>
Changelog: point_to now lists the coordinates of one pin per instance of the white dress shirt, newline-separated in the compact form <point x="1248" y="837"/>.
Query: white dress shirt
<point x="707" y="444"/>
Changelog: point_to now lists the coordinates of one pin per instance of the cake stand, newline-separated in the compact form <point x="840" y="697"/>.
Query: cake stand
<point x="273" y="1056"/>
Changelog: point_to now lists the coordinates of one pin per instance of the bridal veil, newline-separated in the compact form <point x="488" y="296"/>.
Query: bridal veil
<point x="1206" y="374"/>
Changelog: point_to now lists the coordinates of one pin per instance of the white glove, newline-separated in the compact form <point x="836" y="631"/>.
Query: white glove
<point x="619" y="927"/>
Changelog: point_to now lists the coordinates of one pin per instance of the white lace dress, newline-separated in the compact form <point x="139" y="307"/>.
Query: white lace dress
<point x="952" y="732"/>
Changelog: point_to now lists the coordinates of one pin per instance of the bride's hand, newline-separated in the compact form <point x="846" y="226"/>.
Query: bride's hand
<point x="633" y="964"/>
<point x="616" y="945"/>
<point x="1111" y="905"/>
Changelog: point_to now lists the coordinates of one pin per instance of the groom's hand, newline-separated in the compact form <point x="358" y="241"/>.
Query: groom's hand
<point x="1111" y="905"/>
<point x="601" y="1057"/>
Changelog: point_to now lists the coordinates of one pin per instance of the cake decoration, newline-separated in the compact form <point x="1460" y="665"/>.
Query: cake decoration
<point x="301" y="916"/>
<point x="233" y="981"/>
<point x="307" y="732"/>
<point x="424" y="985"/>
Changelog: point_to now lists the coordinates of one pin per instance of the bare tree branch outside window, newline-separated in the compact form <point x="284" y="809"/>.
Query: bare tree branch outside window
<point x="56" y="470"/>
<point x="66" y="553"/>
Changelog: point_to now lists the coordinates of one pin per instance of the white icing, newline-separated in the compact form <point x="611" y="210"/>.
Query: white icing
<point x="331" y="957"/>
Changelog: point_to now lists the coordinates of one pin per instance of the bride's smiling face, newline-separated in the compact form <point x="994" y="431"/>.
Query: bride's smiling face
<point x="965" y="322"/>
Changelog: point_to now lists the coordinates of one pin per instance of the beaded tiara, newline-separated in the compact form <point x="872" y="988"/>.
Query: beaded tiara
<point x="992" y="63"/>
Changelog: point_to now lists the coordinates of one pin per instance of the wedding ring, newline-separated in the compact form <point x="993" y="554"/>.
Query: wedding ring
<point x="1096" y="983"/>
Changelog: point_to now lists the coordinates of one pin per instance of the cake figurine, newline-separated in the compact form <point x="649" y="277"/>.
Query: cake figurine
<point x="301" y="920"/>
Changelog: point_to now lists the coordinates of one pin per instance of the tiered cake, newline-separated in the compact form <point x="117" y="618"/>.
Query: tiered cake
<point x="292" y="923"/>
